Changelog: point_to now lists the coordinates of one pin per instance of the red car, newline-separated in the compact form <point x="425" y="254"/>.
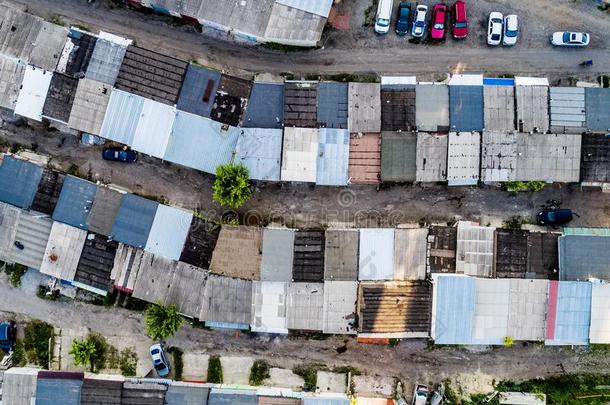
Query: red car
<point x="459" y="22"/>
<point x="438" y="21"/>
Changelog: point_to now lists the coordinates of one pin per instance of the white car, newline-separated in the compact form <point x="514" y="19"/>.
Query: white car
<point x="420" y="395"/>
<point x="511" y="30"/>
<point x="159" y="360"/>
<point x="419" y="23"/>
<point x="494" y="30"/>
<point x="570" y="39"/>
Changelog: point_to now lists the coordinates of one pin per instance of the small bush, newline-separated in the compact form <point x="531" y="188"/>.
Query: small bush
<point x="176" y="353"/>
<point x="215" y="370"/>
<point x="513" y="223"/>
<point x="508" y="341"/>
<point x="259" y="372"/>
<point x="37" y="341"/>
<point x="232" y="185"/>
<point x="309" y="373"/>
<point x="73" y="170"/>
<point x="522" y="186"/>
<point x="19" y="354"/>
<point x="42" y="293"/>
<point x="347" y="370"/>
<point x="90" y="352"/>
<point x="15" y="272"/>
<point x="369" y="14"/>
<point x="128" y="362"/>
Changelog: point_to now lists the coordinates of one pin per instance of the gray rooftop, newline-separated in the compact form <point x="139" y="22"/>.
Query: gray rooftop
<point x="548" y="157"/>
<point x="567" y="109"/>
<point x="410" y="253"/>
<point x="532" y="108"/>
<point x="265" y="106"/>
<point x="60" y="97"/>
<point x="186" y="395"/>
<point x="33" y="232"/>
<point x="134" y="220"/>
<point x="596" y="106"/>
<point x="499" y="106"/>
<point x="332" y="105"/>
<point x="19" y="386"/>
<point x="89" y="107"/>
<point x="398" y="156"/>
<point x="304" y="306"/>
<point x="278" y="253"/>
<point x="432" y="107"/>
<point x="9" y="217"/>
<point x="595" y="164"/>
<point x="341" y="261"/>
<point x="75" y="202"/>
<point x="11" y="76"/>
<point x="18" y="181"/>
<point x="238" y="252"/>
<point x="58" y="388"/>
<point x="104" y="210"/>
<point x="463" y="158"/>
<point x="582" y="257"/>
<point x="364" y="107"/>
<point x="249" y="17"/>
<point x="466" y="108"/>
<point x="96" y="262"/>
<point x="198" y="90"/>
<point x="105" y="61"/>
<point x="431" y="157"/>
<point x="227" y="300"/>
<point x="498" y="156"/>
<point x="398" y="109"/>
<point x="291" y="26"/>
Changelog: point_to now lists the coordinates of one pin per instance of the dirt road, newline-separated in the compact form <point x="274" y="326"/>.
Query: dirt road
<point x="360" y="50"/>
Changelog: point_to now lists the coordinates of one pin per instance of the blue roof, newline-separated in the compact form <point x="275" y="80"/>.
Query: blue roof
<point x="200" y="143"/>
<point x="573" y="313"/>
<point x="494" y="81"/>
<point x="134" y="220"/>
<point x="333" y="157"/>
<point x="194" y="88"/>
<point x="332" y="104"/>
<point x="466" y="108"/>
<point x="325" y="401"/>
<point x="265" y="106"/>
<point x="260" y="150"/>
<point x="231" y="399"/>
<point x="18" y="181"/>
<point x="596" y="108"/>
<point x="75" y="202"/>
<point x="53" y="391"/>
<point x="455" y="302"/>
<point x="582" y="257"/>
<point x="186" y="395"/>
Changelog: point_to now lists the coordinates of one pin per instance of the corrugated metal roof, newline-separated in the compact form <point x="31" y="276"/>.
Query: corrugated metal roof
<point x="186" y="395"/>
<point x="595" y="152"/>
<point x="75" y="202"/>
<point x="569" y="313"/>
<point x="431" y="157"/>
<point x="340" y="307"/>
<point x="154" y="128"/>
<point x="63" y="251"/>
<point x="490" y="319"/>
<point x="90" y="104"/>
<point x="269" y="307"/>
<point x="542" y="255"/>
<point x="33" y="93"/>
<point x="265" y="106"/>
<point x="582" y="257"/>
<point x="475" y="250"/>
<point x="59" y="389"/>
<point x="19" y="386"/>
<point x="227" y="300"/>
<point x="300" y="153"/>
<point x="9" y="217"/>
<point x="60" y="97"/>
<point x="96" y="263"/>
<point x="410" y="253"/>
<point x="463" y="158"/>
<point x="568" y="108"/>
<point x="376" y="254"/>
<point x="325" y="401"/>
<point x="569" y="230"/>
<point x="48" y="191"/>
<point x="231" y="100"/>
<point x="398" y="109"/>
<point x="453" y="308"/>
<point x="33" y="232"/>
<point x="498" y="156"/>
<point x="300" y="101"/>
<point x="238" y="252"/>
<point x="105" y="208"/>
<point x="333" y="157"/>
<point x="398" y="156"/>
<point x="318" y="7"/>
<point x="532" y="108"/>
<point x="596" y="103"/>
<point x="127" y="262"/>
<point x="98" y="390"/>
<point x="198" y="90"/>
<point x="599" y="332"/>
<point x="18" y="181"/>
<point x="466" y="80"/>
<point x="278" y="254"/>
<point x="466" y="108"/>
<point x="134" y="220"/>
<point x="432" y="107"/>
<point x="137" y="393"/>
<point x="105" y="61"/>
<point x="528" y="303"/>
<point x="364" y="101"/>
<point x="531" y="81"/>
<point x="442" y="242"/>
<point x="305" y="306"/>
<point x="499" y="103"/>
<point x="332" y="104"/>
<point x="260" y="150"/>
<point x="511" y="253"/>
<point x="169" y="231"/>
<point x="11" y="77"/>
<point x="364" y="158"/>
<point x="231" y="399"/>
<point x="201" y="143"/>
<point x="341" y="255"/>
<point x="122" y="117"/>
<point x="308" y="258"/>
<point x="248" y="17"/>
<point x="548" y="157"/>
<point x="200" y="243"/>
<point x="290" y="26"/>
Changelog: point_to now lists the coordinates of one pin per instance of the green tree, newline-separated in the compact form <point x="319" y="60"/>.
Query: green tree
<point x="84" y="352"/>
<point x="162" y="322"/>
<point x="232" y="185"/>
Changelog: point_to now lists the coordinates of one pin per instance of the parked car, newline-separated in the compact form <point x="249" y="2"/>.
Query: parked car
<point x="159" y="360"/>
<point x="403" y="21"/>
<point x="419" y="22"/>
<point x="420" y="395"/>
<point x="382" y="18"/>
<point x="8" y="334"/>
<point x="439" y="12"/>
<point x="553" y="217"/>
<point x="119" y="155"/>
<point x="511" y="30"/>
<point x="570" y="39"/>
<point x="459" y="22"/>
<point x="494" y="30"/>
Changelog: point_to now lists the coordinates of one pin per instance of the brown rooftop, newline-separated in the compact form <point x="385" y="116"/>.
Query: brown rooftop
<point x="364" y="158"/>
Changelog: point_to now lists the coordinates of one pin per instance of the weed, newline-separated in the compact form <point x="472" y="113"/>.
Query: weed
<point x="46" y="294"/>
<point x="285" y="48"/>
<point x="16" y="148"/>
<point x="19" y="354"/>
<point x="369" y="14"/>
<point x="347" y="370"/>
<point x="15" y="272"/>
<point x="135" y="304"/>
<point x="507" y="76"/>
<point x="37" y="341"/>
<point x="177" y="353"/>
<point x="57" y="20"/>
<point x="514" y="223"/>
<point x="128" y="362"/>
<point x="517" y="186"/>
<point x="259" y="372"/>
<point x="73" y="170"/>
<point x="158" y="198"/>
<point x="508" y="341"/>
<point x="394" y="342"/>
<point x="309" y="373"/>
<point x="215" y="370"/>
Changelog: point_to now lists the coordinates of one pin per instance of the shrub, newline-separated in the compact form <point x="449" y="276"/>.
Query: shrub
<point x="215" y="370"/>
<point x="259" y="372"/>
<point x="37" y="341"/>
<point x="176" y="353"/>
<point x="508" y="341"/>
<point x="309" y="373"/>
<point x="128" y="362"/>
<point x="15" y="272"/>
<point x="90" y="352"/>
<point x="513" y="223"/>
<point x="162" y="322"/>
<point x="517" y="186"/>
<point x="232" y="185"/>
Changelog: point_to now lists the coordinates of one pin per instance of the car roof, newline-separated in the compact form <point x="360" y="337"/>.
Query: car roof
<point x="460" y="8"/>
<point x="511" y="22"/>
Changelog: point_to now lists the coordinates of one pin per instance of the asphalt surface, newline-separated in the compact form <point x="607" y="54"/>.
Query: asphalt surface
<point x="360" y="50"/>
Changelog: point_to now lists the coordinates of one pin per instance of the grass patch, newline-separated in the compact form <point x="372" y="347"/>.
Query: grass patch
<point x="514" y="223"/>
<point x="128" y="362"/>
<point x="259" y="372"/>
<point x="309" y="373"/>
<point x="44" y="293"/>
<point x="16" y="148"/>
<point x="286" y="48"/>
<point x="57" y="20"/>
<point x="14" y="272"/>
<point x="177" y="362"/>
<point x="215" y="370"/>
<point x="369" y="14"/>
<point x="506" y="76"/>
<point x="523" y="186"/>
<point x="158" y="198"/>
<point x="37" y="341"/>
<point x="347" y="370"/>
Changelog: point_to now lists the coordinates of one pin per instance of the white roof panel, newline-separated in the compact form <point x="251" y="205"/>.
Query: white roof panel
<point x="305" y="306"/>
<point x="527" y="309"/>
<point x="169" y="231"/>
<point x="491" y="308"/>
<point x="376" y="257"/>
<point x="475" y="250"/>
<point x="269" y="307"/>
<point x="154" y="128"/>
<point x="466" y="80"/>
<point x="393" y="80"/>
<point x="63" y="251"/>
<point x="340" y="307"/>
<point x="33" y="94"/>
<point x="300" y="157"/>
<point x="464" y="158"/>
<point x="531" y="81"/>
<point x="599" y="331"/>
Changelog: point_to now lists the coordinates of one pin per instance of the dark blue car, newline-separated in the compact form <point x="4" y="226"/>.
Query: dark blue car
<point x="554" y="217"/>
<point x="120" y="155"/>
<point x="8" y="332"/>
<point x="404" y="18"/>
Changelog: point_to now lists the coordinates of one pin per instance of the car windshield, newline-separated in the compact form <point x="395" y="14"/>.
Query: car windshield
<point x="382" y="22"/>
<point x="154" y="351"/>
<point x="419" y="23"/>
<point x="495" y="37"/>
<point x="496" y="21"/>
<point x="510" y="34"/>
<point x="584" y="37"/>
<point x="438" y="26"/>
<point x="461" y="25"/>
